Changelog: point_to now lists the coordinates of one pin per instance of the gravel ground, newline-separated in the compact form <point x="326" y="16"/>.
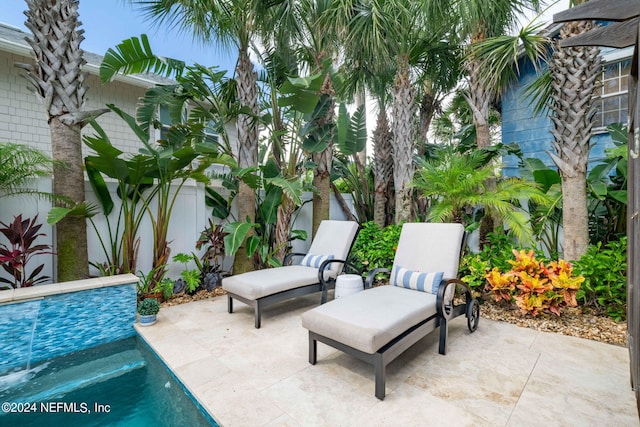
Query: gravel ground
<point x="574" y="321"/>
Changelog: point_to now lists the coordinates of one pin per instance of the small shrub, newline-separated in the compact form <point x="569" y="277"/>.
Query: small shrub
<point x="149" y="306"/>
<point x="191" y="277"/>
<point x="375" y="247"/>
<point x="534" y="286"/>
<point x="473" y="269"/>
<point x="14" y="257"/>
<point x="165" y="287"/>
<point x="605" y="285"/>
<point x="496" y="253"/>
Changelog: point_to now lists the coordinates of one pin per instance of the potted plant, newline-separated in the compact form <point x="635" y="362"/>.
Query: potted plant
<point x="165" y="287"/>
<point x="148" y="309"/>
<point x="148" y="288"/>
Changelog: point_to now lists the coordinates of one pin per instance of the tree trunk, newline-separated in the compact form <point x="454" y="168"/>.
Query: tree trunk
<point x="382" y="167"/>
<point x="575" y="216"/>
<point x="402" y="127"/>
<point x="322" y="182"/>
<point x="479" y="99"/>
<point x="247" y="150"/>
<point x="283" y="225"/>
<point x="574" y="72"/>
<point x="428" y="107"/>
<point x="323" y="160"/>
<point x="68" y="181"/>
<point x="58" y="82"/>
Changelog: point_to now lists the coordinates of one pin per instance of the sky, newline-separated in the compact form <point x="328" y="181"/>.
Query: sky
<point x="107" y="22"/>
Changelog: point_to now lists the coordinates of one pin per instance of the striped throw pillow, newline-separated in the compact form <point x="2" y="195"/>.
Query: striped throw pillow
<point x="315" y="261"/>
<point x="419" y="281"/>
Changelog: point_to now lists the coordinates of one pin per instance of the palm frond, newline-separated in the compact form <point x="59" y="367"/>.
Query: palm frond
<point x="134" y="56"/>
<point x="500" y="56"/>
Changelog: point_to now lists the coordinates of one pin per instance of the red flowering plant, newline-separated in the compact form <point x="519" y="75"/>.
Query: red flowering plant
<point x="534" y="286"/>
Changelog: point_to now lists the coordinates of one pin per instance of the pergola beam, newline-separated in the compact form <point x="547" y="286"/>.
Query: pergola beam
<point x="605" y="10"/>
<point x="618" y="35"/>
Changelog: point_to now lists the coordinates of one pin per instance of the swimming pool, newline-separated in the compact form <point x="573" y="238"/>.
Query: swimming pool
<point x="120" y="383"/>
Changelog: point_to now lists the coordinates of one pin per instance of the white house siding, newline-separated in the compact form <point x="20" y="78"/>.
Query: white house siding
<point x="23" y="120"/>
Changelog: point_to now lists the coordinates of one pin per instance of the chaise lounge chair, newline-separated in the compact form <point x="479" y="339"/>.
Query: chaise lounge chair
<point x="377" y="325"/>
<point x="316" y="272"/>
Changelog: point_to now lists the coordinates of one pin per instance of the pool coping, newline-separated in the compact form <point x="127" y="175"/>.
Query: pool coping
<point x="9" y="296"/>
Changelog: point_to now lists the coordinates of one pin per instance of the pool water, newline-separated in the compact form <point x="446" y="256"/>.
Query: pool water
<point x="118" y="384"/>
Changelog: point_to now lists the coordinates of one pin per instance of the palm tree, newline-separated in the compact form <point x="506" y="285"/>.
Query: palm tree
<point x="568" y="89"/>
<point x="478" y="20"/>
<point x="230" y="23"/>
<point x="386" y="31"/>
<point x="302" y="25"/>
<point x="574" y="72"/>
<point x="456" y="183"/>
<point x="57" y="80"/>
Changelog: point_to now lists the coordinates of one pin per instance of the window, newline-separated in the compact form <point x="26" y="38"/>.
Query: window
<point x="612" y="107"/>
<point x="165" y="122"/>
<point x="210" y="135"/>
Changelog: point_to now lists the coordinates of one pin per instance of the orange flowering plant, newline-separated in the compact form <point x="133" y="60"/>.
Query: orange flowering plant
<point x="534" y="286"/>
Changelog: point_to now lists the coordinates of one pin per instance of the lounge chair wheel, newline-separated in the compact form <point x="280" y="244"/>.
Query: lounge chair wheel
<point x="473" y="315"/>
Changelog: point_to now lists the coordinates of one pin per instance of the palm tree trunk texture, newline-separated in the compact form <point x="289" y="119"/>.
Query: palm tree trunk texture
<point x="323" y="160"/>
<point x="68" y="180"/>
<point x="58" y="82"/>
<point x="283" y="225"/>
<point x="428" y="107"/>
<point x="574" y="72"/>
<point x="382" y="167"/>
<point x="402" y="127"/>
<point x="247" y="149"/>
<point x="479" y="99"/>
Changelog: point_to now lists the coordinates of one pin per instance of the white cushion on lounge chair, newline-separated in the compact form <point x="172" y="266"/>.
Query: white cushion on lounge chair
<point x="257" y="284"/>
<point x="334" y="238"/>
<point x="368" y="320"/>
<point x="429" y="249"/>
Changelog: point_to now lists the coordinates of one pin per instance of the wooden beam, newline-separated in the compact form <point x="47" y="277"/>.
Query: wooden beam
<point x="605" y="10"/>
<point x="618" y="35"/>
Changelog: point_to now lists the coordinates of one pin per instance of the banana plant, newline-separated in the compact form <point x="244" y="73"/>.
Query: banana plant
<point x="279" y="182"/>
<point x="351" y="139"/>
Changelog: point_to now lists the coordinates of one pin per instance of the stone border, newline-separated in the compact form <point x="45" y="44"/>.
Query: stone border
<point x="22" y="294"/>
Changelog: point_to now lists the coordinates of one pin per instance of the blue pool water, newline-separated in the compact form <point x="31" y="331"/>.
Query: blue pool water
<point x="118" y="384"/>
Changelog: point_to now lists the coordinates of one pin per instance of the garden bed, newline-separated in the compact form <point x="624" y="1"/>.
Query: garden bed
<point x="574" y="322"/>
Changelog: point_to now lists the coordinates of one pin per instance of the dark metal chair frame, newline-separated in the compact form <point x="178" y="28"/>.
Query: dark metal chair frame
<point x="260" y="303"/>
<point x="321" y="286"/>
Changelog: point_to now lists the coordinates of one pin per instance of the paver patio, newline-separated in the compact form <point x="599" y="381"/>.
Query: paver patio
<point x="502" y="375"/>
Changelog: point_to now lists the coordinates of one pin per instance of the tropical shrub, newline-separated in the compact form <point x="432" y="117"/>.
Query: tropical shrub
<point x="604" y="268"/>
<point x="21" y="165"/>
<point x="14" y="257"/>
<point x="190" y="277"/>
<point x="496" y="253"/>
<point x="375" y="247"/>
<point x="607" y="190"/>
<point x="534" y="286"/>
<point x="456" y="185"/>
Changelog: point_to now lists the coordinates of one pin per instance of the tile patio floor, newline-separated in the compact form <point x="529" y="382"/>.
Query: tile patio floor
<point x="501" y="375"/>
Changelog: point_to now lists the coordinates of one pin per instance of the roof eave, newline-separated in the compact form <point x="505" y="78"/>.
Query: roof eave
<point x="22" y="50"/>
